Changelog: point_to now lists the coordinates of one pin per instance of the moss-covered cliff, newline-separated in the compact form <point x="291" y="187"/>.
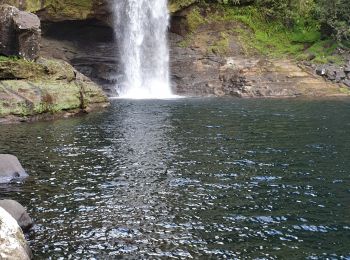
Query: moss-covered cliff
<point x="59" y="10"/>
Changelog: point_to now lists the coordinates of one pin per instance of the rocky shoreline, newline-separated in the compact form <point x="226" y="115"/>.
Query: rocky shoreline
<point x="14" y="220"/>
<point x="195" y="71"/>
<point x="334" y="73"/>
<point x="77" y="52"/>
<point x="62" y="62"/>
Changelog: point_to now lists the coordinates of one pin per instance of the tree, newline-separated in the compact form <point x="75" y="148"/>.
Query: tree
<point x="334" y="18"/>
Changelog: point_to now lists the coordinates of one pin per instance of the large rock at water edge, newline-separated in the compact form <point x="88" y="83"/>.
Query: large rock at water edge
<point x="45" y="89"/>
<point x="12" y="242"/>
<point x="20" y="33"/>
<point x="18" y="212"/>
<point x="10" y="168"/>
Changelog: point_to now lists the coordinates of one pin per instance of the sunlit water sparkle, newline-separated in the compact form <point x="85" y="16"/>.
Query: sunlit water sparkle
<point x="200" y="178"/>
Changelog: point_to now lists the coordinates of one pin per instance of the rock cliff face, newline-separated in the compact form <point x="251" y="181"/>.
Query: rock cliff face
<point x="62" y="10"/>
<point x="206" y="59"/>
<point x="68" y="10"/>
<point x="212" y="66"/>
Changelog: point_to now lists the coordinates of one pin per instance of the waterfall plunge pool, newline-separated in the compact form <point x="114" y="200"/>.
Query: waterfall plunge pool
<point x="201" y="178"/>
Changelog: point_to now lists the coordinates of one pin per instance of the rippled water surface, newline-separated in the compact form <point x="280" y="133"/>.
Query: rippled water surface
<point x="191" y="178"/>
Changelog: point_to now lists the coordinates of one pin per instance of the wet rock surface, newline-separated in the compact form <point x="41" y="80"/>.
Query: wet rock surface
<point x="19" y="33"/>
<point x="335" y="73"/>
<point x="10" y="168"/>
<point x="18" y="212"/>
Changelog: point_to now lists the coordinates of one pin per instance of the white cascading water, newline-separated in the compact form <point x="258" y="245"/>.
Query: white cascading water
<point x="141" y="29"/>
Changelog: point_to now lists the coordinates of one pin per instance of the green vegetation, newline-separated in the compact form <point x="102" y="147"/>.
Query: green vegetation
<point x="56" y="9"/>
<point x="29" y="88"/>
<point x="195" y="19"/>
<point x="303" y="29"/>
<point x="221" y="45"/>
<point x="176" y="5"/>
<point x="332" y="18"/>
<point x="302" y="40"/>
<point x="11" y="58"/>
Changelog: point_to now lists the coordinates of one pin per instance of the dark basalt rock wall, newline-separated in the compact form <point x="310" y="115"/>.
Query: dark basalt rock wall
<point x="88" y="45"/>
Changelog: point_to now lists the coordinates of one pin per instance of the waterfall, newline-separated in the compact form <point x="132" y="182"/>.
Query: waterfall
<point x="141" y="29"/>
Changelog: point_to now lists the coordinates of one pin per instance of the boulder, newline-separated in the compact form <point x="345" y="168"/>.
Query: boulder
<point x="10" y="168"/>
<point x="12" y="242"/>
<point x="8" y="45"/>
<point x="18" y="212"/>
<point x="331" y="73"/>
<point x="341" y="74"/>
<point x="45" y="90"/>
<point x="347" y="83"/>
<point x="20" y="33"/>
<point x="320" y="70"/>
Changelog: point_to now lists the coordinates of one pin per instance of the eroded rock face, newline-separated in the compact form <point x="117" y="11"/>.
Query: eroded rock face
<point x="10" y="168"/>
<point x="20" y="33"/>
<point x="18" y="212"/>
<point x="12" y="242"/>
<point x="208" y="65"/>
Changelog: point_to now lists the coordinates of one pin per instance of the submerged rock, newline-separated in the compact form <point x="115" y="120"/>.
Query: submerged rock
<point x="10" y="168"/>
<point x="18" y="212"/>
<point x="19" y="33"/>
<point x="12" y="242"/>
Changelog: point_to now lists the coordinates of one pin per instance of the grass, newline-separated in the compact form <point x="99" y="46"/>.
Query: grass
<point x="10" y="58"/>
<point x="195" y="19"/>
<point x="303" y="41"/>
<point x="221" y="45"/>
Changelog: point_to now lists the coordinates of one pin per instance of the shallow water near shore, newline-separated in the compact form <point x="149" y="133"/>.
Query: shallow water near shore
<point x="201" y="178"/>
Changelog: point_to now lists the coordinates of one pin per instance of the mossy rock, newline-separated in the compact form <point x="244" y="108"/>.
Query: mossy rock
<point x="56" y="10"/>
<point x="47" y="86"/>
<point x="177" y="5"/>
<point x="25" y="98"/>
<point x="41" y="69"/>
<point x="60" y="10"/>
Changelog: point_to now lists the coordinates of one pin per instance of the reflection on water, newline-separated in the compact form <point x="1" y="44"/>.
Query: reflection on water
<point x="200" y="178"/>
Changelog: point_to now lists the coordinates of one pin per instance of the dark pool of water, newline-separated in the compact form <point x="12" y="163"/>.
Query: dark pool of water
<point x="201" y="178"/>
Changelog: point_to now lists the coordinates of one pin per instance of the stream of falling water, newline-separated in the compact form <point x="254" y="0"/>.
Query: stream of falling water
<point x="141" y="30"/>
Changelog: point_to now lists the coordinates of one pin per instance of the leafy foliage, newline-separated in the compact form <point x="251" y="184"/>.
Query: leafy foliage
<point x="334" y="18"/>
<point x="331" y="18"/>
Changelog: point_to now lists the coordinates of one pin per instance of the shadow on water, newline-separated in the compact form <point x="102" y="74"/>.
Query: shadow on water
<point x="188" y="178"/>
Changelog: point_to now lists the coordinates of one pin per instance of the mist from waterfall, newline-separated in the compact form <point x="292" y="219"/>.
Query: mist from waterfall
<point x="141" y="30"/>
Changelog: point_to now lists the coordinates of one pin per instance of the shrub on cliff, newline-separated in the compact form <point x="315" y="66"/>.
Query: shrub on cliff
<point x="334" y="17"/>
